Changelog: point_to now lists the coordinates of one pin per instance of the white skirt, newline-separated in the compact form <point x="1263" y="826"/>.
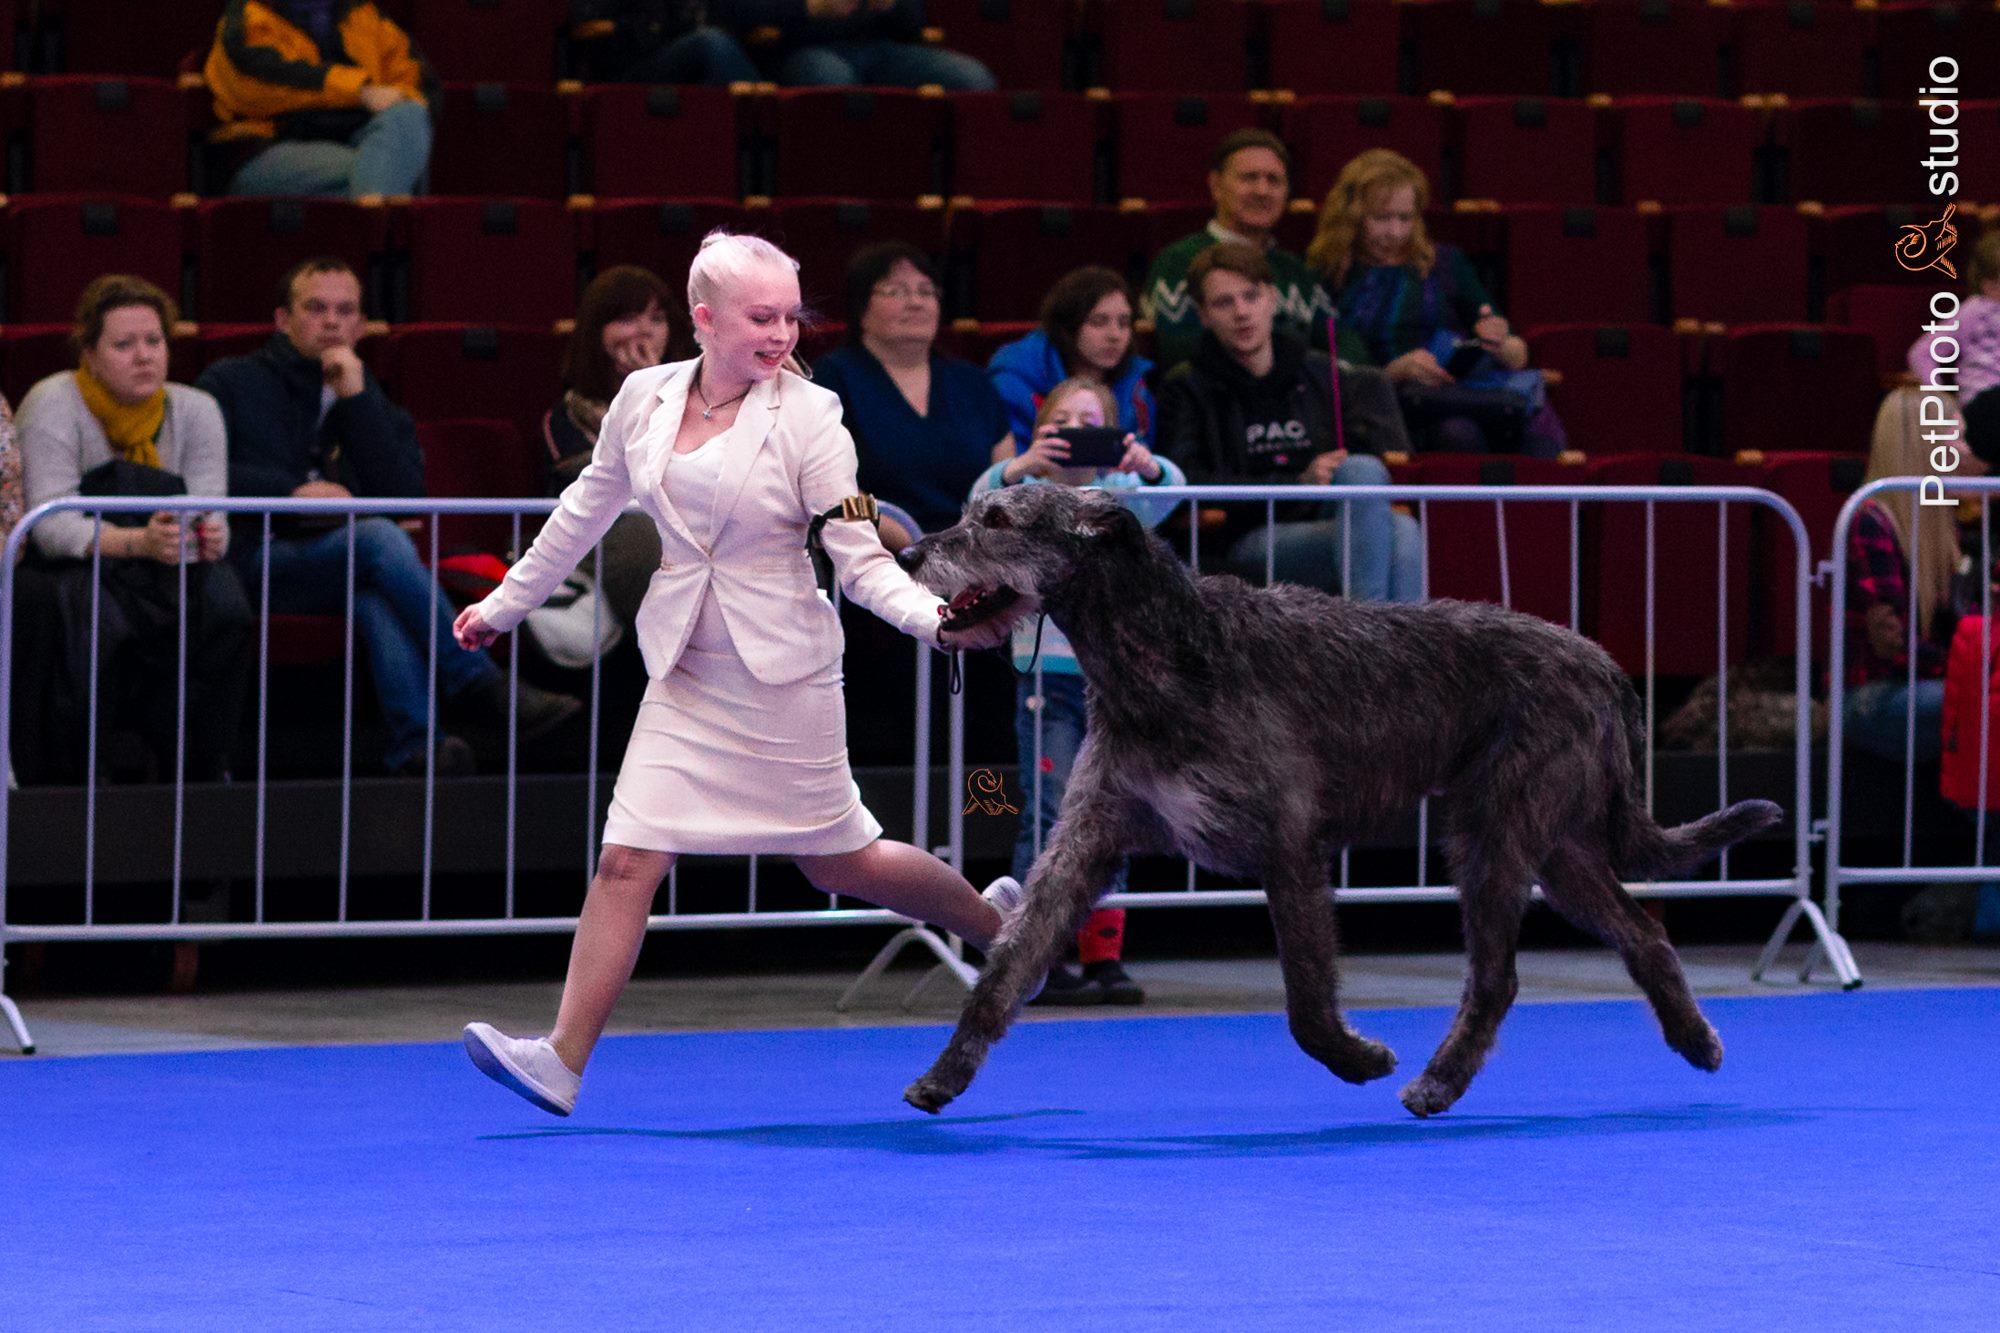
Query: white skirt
<point x="721" y="762"/>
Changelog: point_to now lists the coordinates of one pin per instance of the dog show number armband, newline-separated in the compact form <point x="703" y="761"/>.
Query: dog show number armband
<point x="854" y="509"/>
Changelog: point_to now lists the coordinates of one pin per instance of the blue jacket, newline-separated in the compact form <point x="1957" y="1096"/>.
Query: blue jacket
<point x="1027" y="368"/>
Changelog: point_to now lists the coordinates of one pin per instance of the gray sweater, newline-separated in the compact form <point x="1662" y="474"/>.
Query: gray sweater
<point x="60" y="441"/>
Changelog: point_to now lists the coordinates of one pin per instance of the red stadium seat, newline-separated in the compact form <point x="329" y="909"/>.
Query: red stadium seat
<point x="663" y="235"/>
<point x="1509" y="48"/>
<point x="1851" y="152"/>
<point x="124" y="37"/>
<point x="1163" y="46"/>
<point x="1909" y="36"/>
<point x="127" y="136"/>
<point x="1021" y="41"/>
<point x="1016" y="252"/>
<point x="978" y="342"/>
<point x="1334" y="46"/>
<point x="642" y="143"/>
<point x="859" y="143"/>
<point x="1577" y="265"/>
<point x="1692" y="608"/>
<point x="1621" y="386"/>
<point x="498" y="41"/>
<point x="1816" y="485"/>
<point x="1166" y="141"/>
<point x="1673" y="47"/>
<point x="1465" y="538"/>
<point x="219" y="340"/>
<point x="494" y="261"/>
<point x="1802" y="49"/>
<point x="1025" y="145"/>
<point x="476" y="460"/>
<point x="497" y="140"/>
<point x="442" y="372"/>
<point x="823" y="234"/>
<point x="1855" y="243"/>
<point x="1325" y="132"/>
<point x="1894" y="315"/>
<point x="1790" y="387"/>
<point x="1738" y="265"/>
<point x="1686" y="151"/>
<point x="1528" y="150"/>
<point x="244" y="246"/>
<point x="73" y="239"/>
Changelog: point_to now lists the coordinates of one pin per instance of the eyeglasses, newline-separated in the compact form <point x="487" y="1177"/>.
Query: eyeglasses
<point x="896" y="291"/>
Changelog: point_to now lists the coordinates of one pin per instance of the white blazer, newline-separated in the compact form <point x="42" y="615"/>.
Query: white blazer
<point x="789" y="458"/>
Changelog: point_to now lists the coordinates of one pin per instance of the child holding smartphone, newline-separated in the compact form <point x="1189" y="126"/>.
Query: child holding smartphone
<point x="1049" y="716"/>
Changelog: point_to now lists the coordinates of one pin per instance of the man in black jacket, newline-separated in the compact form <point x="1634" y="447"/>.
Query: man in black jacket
<point x="306" y="419"/>
<point x="1255" y="407"/>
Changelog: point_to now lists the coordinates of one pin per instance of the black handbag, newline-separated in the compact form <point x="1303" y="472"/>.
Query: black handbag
<point x="1501" y="414"/>
<point x="146" y="591"/>
<point x="123" y="477"/>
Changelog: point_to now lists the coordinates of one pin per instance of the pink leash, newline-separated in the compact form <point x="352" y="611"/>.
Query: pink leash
<point x="1333" y="358"/>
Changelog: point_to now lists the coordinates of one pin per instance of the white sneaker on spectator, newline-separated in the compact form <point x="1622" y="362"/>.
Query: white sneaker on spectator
<point x="529" y="1067"/>
<point x="1006" y="894"/>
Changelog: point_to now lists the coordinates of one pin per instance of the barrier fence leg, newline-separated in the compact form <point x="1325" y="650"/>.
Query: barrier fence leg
<point x="13" y="1012"/>
<point x="1827" y="944"/>
<point x="923" y="937"/>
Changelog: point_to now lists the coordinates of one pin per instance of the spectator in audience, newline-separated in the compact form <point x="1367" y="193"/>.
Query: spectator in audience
<point x="1879" y="699"/>
<point x="1058" y="706"/>
<point x="836" y="43"/>
<point x="307" y="419"/>
<point x="627" y="320"/>
<point x="115" y="427"/>
<point x="1978" y="337"/>
<point x="1254" y="407"/>
<point x="318" y="97"/>
<point x="925" y="425"/>
<point x="1406" y="304"/>
<point x="1250" y="182"/>
<point x="1086" y="332"/>
<point x="656" y="41"/>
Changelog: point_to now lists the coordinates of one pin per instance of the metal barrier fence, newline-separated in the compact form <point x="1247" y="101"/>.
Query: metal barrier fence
<point x="1915" y="742"/>
<point x="1432" y="503"/>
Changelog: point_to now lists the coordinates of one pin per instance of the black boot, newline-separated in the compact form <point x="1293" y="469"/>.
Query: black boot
<point x="1111" y="980"/>
<point x="1066" y="988"/>
<point x="538" y="711"/>
<point x="454" y="759"/>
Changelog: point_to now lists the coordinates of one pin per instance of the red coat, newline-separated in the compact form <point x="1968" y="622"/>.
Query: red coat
<point x="1966" y="687"/>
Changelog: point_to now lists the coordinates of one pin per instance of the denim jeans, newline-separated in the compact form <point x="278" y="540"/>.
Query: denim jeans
<point x="392" y="616"/>
<point x="388" y="155"/>
<point x="1061" y="713"/>
<point x="1875" y="717"/>
<point x="885" y="65"/>
<point x="1387" y="547"/>
<point x="706" y="55"/>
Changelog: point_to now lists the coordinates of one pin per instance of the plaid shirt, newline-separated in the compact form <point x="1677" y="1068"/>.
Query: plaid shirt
<point x="1877" y="572"/>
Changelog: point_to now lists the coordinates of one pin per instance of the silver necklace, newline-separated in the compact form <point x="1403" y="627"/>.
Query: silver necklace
<point x="707" y="409"/>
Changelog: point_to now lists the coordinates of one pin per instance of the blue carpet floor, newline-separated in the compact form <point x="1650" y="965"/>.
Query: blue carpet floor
<point x="1841" y="1172"/>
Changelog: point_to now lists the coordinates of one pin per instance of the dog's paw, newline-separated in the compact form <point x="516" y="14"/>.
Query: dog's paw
<point x="1701" y="1048"/>
<point x="926" y="1096"/>
<point x="1365" y="1061"/>
<point x="1427" y="1096"/>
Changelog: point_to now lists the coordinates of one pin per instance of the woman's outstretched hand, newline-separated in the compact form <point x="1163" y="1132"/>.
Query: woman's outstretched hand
<point x="472" y="631"/>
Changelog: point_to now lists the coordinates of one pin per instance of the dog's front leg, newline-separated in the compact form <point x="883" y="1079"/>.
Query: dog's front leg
<point x="1309" y="956"/>
<point x="1065" y="884"/>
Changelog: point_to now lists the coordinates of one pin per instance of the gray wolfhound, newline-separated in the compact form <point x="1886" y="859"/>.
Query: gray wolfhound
<point x="1257" y="730"/>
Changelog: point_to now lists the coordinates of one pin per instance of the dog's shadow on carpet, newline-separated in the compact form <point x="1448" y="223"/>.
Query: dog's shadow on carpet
<point x="987" y="1135"/>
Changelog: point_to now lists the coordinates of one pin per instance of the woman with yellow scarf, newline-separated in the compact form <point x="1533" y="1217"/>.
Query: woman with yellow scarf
<point x="75" y="428"/>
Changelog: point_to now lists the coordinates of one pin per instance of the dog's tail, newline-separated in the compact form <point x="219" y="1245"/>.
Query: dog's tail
<point x="1642" y="849"/>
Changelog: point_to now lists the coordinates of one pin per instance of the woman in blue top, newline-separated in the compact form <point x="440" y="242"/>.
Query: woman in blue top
<point x="1086" y="333"/>
<point x="924" y="425"/>
<point x="1408" y="304"/>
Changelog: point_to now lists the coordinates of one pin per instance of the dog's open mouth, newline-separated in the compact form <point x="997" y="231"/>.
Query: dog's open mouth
<point x="975" y="605"/>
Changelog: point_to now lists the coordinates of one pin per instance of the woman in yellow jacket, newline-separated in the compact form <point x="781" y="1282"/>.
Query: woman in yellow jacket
<point x="318" y="97"/>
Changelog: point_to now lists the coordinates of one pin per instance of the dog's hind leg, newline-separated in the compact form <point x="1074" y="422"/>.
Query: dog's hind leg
<point x="1580" y="883"/>
<point x="1308" y="952"/>
<point x="1080" y="859"/>
<point x="1493" y="890"/>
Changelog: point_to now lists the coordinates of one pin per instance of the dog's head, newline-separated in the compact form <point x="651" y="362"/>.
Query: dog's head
<point x="1018" y="548"/>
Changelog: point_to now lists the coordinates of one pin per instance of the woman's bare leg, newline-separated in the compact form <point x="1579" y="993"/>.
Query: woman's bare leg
<point x="908" y="880"/>
<point x="609" y="932"/>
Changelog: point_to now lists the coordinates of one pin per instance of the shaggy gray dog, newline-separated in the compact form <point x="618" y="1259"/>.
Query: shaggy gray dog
<point x="1257" y="730"/>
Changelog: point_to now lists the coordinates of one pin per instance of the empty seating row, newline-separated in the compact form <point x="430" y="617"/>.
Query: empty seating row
<point x="1336" y="46"/>
<point x="522" y="260"/>
<point x="140" y="136"/>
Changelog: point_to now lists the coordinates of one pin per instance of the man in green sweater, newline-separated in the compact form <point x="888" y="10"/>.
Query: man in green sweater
<point x="1250" y="183"/>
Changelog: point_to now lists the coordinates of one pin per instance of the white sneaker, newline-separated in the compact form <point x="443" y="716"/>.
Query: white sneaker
<point x="1006" y="894"/>
<point x="531" y="1068"/>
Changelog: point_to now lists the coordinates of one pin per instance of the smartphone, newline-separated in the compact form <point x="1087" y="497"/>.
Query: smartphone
<point x="1094" y="446"/>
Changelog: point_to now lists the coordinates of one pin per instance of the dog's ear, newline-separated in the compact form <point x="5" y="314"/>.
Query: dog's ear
<point x="1110" y="521"/>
